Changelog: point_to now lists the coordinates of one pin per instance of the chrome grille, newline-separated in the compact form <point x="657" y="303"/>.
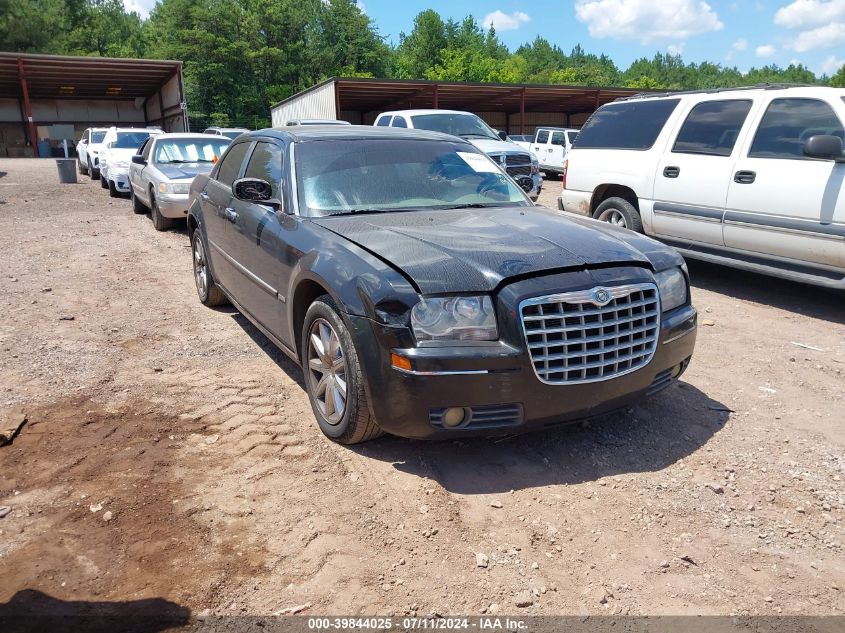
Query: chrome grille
<point x="578" y="337"/>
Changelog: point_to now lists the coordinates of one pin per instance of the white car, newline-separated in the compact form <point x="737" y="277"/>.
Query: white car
<point x="88" y="151"/>
<point x="519" y="164"/>
<point x="551" y="146"/>
<point x="228" y="132"/>
<point x="751" y="178"/>
<point x="119" y="146"/>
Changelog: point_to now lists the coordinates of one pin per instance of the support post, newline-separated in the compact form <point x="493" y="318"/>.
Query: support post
<point x="522" y="111"/>
<point x="161" y="109"/>
<point x="185" y="122"/>
<point x="336" y="102"/>
<point x="27" y="110"/>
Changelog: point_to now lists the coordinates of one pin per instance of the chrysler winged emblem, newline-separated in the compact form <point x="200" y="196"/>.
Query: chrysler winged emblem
<point x="601" y="296"/>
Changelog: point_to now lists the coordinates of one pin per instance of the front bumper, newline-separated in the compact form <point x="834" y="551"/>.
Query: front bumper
<point x="173" y="205"/>
<point x="496" y="382"/>
<point x="120" y="178"/>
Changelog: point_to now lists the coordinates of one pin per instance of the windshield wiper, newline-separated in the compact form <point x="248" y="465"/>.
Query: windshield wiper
<point x="472" y="205"/>
<point x="473" y="135"/>
<point x="170" y="162"/>
<point x="358" y="211"/>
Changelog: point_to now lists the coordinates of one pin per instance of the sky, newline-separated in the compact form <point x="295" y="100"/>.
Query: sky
<point x="741" y="33"/>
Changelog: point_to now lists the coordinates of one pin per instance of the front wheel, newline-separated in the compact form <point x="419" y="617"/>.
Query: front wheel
<point x="113" y="192"/>
<point x="619" y="212"/>
<point x="333" y="376"/>
<point x="209" y="293"/>
<point x="160" y="223"/>
<point x="137" y="206"/>
<point x="82" y="168"/>
<point x="93" y="173"/>
<point x="103" y="182"/>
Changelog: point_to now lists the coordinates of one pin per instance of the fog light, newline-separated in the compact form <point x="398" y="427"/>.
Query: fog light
<point x="454" y="416"/>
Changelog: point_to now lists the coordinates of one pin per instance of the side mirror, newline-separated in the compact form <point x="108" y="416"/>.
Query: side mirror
<point x="257" y="191"/>
<point x="138" y="159"/>
<point x="502" y="134"/>
<point x="825" y="146"/>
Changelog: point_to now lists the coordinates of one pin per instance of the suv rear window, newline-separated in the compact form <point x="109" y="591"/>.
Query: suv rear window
<point x="627" y="125"/>
<point x="712" y="127"/>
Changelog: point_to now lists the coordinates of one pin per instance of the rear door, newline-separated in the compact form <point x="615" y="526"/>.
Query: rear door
<point x="257" y="241"/>
<point x="216" y="200"/>
<point x="782" y="203"/>
<point x="555" y="151"/>
<point x="692" y="177"/>
<point x="541" y="145"/>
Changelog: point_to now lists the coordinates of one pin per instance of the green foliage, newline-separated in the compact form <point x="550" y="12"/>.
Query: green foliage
<point x="241" y="56"/>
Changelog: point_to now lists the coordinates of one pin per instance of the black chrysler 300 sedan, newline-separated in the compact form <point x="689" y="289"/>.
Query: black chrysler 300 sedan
<point x="423" y="293"/>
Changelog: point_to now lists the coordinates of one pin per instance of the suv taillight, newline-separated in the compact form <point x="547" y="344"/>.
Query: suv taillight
<point x="563" y="176"/>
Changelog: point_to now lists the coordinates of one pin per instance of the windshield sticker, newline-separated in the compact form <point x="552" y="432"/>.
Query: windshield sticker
<point x="479" y="163"/>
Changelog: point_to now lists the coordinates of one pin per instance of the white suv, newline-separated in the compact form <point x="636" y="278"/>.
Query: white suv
<point x="751" y="178"/>
<point x="518" y="163"/>
<point x="88" y="151"/>
<point x="119" y="146"/>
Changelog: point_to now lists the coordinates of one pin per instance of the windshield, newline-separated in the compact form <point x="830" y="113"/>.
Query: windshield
<point x="379" y="175"/>
<point x="130" y="140"/>
<point x="97" y="137"/>
<point x="463" y="125"/>
<point x="190" y="150"/>
<point x="232" y="135"/>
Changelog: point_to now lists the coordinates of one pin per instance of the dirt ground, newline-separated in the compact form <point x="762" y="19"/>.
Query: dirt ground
<point x="170" y="453"/>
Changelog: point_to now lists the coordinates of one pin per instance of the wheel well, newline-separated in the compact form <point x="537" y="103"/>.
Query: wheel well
<point x="192" y="224"/>
<point x="603" y="192"/>
<point x="304" y="295"/>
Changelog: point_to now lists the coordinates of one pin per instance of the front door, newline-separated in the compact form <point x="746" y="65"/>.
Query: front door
<point x="782" y="203"/>
<point x="216" y="201"/>
<point x="259" y="244"/>
<point x="691" y="182"/>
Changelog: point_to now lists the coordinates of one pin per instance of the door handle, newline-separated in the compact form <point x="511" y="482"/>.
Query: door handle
<point x="745" y="177"/>
<point x="672" y="172"/>
<point x="231" y="214"/>
<point x="204" y="195"/>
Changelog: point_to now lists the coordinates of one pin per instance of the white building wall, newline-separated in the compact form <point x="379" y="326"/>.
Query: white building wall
<point x="317" y="104"/>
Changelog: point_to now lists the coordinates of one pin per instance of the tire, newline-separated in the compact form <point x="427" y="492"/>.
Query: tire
<point x="619" y="212"/>
<point x="94" y="173"/>
<point x="209" y="292"/>
<point x="160" y="223"/>
<point x="354" y="424"/>
<point x="82" y="169"/>
<point x="103" y="182"/>
<point x="113" y="192"/>
<point x="137" y="206"/>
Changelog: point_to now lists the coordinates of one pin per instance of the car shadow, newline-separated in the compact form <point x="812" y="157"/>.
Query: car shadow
<point x="31" y="611"/>
<point x="648" y="437"/>
<point x="811" y="301"/>
<point x="268" y="347"/>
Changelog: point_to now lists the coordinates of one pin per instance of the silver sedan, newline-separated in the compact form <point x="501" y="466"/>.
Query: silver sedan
<point x="161" y="172"/>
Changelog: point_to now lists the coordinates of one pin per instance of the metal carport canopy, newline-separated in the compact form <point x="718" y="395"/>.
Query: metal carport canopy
<point x="30" y="77"/>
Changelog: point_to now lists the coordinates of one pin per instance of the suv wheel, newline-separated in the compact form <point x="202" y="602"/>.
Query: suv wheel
<point x="94" y="173"/>
<point x="207" y="289"/>
<point x="137" y="206"/>
<point x="619" y="212"/>
<point x="113" y="192"/>
<point x="333" y="376"/>
<point x="103" y="182"/>
<point x="82" y="168"/>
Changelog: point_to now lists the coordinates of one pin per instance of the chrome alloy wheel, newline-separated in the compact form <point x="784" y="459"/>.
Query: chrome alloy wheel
<point x="200" y="267"/>
<point x="615" y="217"/>
<point x="327" y="365"/>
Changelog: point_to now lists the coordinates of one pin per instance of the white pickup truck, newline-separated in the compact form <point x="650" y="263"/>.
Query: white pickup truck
<point x="550" y="145"/>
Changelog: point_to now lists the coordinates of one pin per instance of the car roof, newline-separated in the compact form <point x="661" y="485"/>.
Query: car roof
<point x="228" y="129"/>
<point x="429" y="111"/>
<point x="174" y="135"/>
<point x="556" y="129"/>
<point x="791" y="90"/>
<point x="304" y="133"/>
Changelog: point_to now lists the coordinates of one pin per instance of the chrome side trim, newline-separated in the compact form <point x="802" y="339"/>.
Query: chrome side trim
<point x="245" y="271"/>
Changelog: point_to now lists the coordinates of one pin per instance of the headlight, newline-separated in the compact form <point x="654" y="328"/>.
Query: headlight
<point x="535" y="165"/>
<point x="174" y="187"/>
<point x="454" y="318"/>
<point x="672" y="285"/>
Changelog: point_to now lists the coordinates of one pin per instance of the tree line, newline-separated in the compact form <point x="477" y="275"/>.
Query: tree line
<point x="241" y="56"/>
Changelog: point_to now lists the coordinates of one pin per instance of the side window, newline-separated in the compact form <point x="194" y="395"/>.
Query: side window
<point x="788" y="123"/>
<point x="542" y="137"/>
<point x="230" y="166"/>
<point x="383" y="121"/>
<point x="146" y="148"/>
<point x="86" y="136"/>
<point x="712" y="128"/>
<point x="572" y="136"/>
<point x="399" y="121"/>
<point x="266" y="164"/>
<point x="559" y="138"/>
<point x="626" y="125"/>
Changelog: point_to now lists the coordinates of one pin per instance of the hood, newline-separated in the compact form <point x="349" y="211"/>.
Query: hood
<point x="493" y="146"/>
<point x="119" y="153"/>
<point x="184" y="171"/>
<point x="475" y="250"/>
